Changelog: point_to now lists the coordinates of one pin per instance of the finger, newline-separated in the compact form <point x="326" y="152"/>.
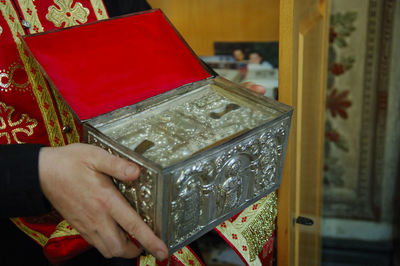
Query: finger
<point x="98" y="243"/>
<point x="258" y="88"/>
<point x="117" y="241"/>
<point x="133" y="224"/>
<point x="132" y="248"/>
<point x="254" y="87"/>
<point x="114" y="166"/>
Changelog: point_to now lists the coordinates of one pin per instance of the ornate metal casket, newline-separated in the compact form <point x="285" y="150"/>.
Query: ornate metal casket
<point x="207" y="147"/>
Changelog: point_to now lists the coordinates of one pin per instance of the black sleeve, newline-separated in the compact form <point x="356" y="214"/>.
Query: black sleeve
<point x="121" y="7"/>
<point x="20" y="192"/>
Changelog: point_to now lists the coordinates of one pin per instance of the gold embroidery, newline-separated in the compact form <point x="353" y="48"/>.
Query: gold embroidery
<point x="261" y="227"/>
<point x="24" y="125"/>
<point x="11" y="78"/>
<point x="64" y="229"/>
<point x="1" y="30"/>
<point x="67" y="13"/>
<point x="186" y="257"/>
<point x="42" y="94"/>
<point x="66" y="117"/>
<point x="44" y="101"/>
<point x="39" y="86"/>
<point x="251" y="229"/>
<point x="38" y="237"/>
<point x="30" y="14"/>
<point x="99" y="9"/>
<point x="15" y="69"/>
<point x="148" y="260"/>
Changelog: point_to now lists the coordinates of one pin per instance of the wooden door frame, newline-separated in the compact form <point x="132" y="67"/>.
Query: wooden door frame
<point x="288" y="200"/>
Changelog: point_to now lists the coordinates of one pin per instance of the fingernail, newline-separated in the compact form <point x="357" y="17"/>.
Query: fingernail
<point x="131" y="170"/>
<point x="161" y="255"/>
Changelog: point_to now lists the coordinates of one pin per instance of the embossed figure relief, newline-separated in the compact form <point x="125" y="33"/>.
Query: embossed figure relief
<point x="188" y="205"/>
<point x="189" y="197"/>
<point x="211" y="188"/>
<point x="232" y="187"/>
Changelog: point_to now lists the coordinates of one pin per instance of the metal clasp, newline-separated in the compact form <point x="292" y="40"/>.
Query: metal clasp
<point x="66" y="129"/>
<point x="26" y="24"/>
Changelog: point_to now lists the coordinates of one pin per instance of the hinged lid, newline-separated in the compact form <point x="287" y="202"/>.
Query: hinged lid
<point x="103" y="66"/>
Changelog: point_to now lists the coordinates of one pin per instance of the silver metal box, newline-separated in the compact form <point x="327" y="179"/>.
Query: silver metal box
<point x="207" y="149"/>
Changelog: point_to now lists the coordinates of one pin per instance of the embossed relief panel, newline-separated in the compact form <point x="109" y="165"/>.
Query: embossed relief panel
<point x="139" y="193"/>
<point x="193" y="190"/>
<point x="231" y="183"/>
<point x="231" y="178"/>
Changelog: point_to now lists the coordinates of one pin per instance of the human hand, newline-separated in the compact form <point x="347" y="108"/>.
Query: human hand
<point x="254" y="87"/>
<point x="75" y="179"/>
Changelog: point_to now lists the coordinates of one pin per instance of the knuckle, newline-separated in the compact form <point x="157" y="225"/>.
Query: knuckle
<point x="133" y="229"/>
<point x="118" y="251"/>
<point x="102" y="204"/>
<point x="106" y="254"/>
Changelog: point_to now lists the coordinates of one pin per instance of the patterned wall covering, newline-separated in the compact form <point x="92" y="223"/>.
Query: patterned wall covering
<point x="357" y="94"/>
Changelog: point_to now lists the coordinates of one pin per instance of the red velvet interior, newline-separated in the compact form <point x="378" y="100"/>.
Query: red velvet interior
<point x="104" y="66"/>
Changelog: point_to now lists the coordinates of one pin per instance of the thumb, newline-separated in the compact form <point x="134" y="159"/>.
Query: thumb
<point x="114" y="166"/>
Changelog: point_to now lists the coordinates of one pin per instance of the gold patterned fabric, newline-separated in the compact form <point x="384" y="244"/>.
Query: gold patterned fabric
<point x="67" y="13"/>
<point x="11" y="127"/>
<point x="248" y="233"/>
<point x="184" y="256"/>
<point x="29" y="113"/>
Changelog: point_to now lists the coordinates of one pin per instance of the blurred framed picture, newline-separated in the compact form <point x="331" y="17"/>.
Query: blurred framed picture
<point x="256" y="62"/>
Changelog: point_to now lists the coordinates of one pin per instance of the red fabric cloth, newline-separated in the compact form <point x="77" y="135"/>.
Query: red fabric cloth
<point x="102" y="67"/>
<point x="23" y="118"/>
<point x="17" y="96"/>
<point x="61" y="249"/>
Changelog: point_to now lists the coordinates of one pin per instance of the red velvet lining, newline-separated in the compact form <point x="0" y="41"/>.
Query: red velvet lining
<point x="104" y="66"/>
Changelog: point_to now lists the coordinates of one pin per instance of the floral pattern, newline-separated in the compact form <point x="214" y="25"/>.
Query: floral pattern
<point x="337" y="103"/>
<point x="338" y="100"/>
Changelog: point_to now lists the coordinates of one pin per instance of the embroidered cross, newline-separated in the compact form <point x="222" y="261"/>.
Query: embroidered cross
<point x="67" y="13"/>
<point x="10" y="125"/>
